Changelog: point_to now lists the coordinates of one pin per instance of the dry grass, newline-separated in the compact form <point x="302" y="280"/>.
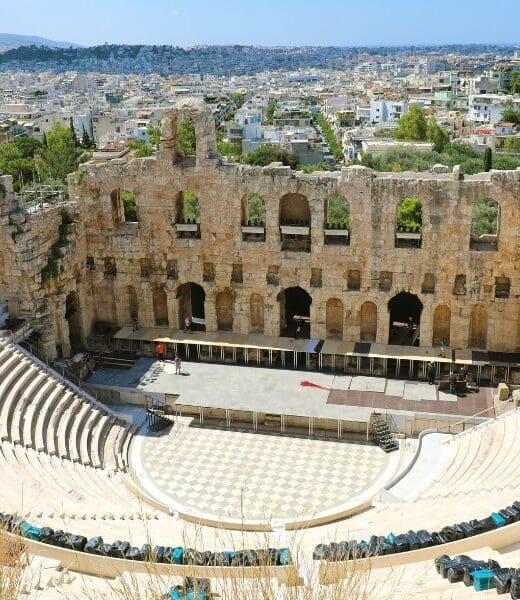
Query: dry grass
<point x="13" y="567"/>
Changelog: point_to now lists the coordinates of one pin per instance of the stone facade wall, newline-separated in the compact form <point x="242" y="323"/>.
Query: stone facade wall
<point x="214" y="260"/>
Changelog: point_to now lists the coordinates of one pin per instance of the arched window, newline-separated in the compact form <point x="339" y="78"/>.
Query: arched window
<point x="256" y="314"/>
<point x="224" y="310"/>
<point x="441" y="325"/>
<point x="124" y="206"/>
<point x="187" y="215"/>
<point x="253" y="218"/>
<point x="337" y="220"/>
<point x="187" y="138"/>
<point x="408" y="223"/>
<point x="368" y="322"/>
<point x="334" y="318"/>
<point x="485" y="218"/>
<point x="478" y="328"/>
<point x="295" y="223"/>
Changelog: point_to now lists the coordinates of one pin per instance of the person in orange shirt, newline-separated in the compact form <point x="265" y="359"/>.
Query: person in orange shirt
<point x="160" y="349"/>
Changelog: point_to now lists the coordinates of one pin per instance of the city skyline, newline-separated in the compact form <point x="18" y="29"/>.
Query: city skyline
<point x="342" y="23"/>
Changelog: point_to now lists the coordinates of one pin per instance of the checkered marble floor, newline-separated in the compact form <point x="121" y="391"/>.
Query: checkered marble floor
<point x="245" y="475"/>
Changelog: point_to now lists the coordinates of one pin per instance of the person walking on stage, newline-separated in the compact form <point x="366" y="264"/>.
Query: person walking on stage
<point x="430" y="370"/>
<point x="177" y="365"/>
<point x="160" y="349"/>
<point x="187" y="323"/>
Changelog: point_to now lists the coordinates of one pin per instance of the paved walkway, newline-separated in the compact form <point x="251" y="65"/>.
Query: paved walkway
<point x="244" y="475"/>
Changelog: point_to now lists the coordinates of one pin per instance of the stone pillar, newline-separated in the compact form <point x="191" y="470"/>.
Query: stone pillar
<point x="318" y="315"/>
<point x="272" y="314"/>
<point x="146" y="315"/>
<point x="210" y="311"/>
<point x="426" y="325"/>
<point x="383" y="323"/>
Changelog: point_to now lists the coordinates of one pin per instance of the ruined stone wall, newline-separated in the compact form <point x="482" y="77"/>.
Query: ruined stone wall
<point x="108" y="257"/>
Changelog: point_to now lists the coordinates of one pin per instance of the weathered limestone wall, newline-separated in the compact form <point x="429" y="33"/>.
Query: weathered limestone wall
<point x="99" y="240"/>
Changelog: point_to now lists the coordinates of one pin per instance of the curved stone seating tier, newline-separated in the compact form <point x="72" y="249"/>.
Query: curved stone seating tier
<point x="484" y="458"/>
<point x="40" y="484"/>
<point x="40" y="410"/>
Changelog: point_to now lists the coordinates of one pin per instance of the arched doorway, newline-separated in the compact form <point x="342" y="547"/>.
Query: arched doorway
<point x="334" y="318"/>
<point x="478" y="328"/>
<point x="224" y="310"/>
<point x="405" y="317"/>
<point x="441" y="325"/>
<point x="191" y="297"/>
<point x="368" y="322"/>
<point x="295" y="312"/>
<point x="256" y="314"/>
<point x="73" y="321"/>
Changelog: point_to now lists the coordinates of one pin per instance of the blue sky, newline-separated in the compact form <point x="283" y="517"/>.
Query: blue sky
<point x="265" y="22"/>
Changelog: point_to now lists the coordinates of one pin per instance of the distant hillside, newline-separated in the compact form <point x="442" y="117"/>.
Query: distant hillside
<point x="12" y="40"/>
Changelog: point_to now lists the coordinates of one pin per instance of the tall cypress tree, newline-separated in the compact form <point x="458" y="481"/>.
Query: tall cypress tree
<point x="73" y="131"/>
<point x="488" y="159"/>
<point x="86" y="142"/>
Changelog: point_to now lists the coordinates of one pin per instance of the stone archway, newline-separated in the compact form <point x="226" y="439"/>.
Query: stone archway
<point x="191" y="299"/>
<point x="224" y="310"/>
<point x="368" y="322"/>
<point x="478" y="328"/>
<point x="405" y="317"/>
<point x="441" y="325"/>
<point x="295" y="302"/>
<point x="334" y="318"/>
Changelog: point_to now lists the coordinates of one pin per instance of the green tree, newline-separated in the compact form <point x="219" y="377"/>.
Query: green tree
<point x="155" y="135"/>
<point x="73" y="132"/>
<point x="512" y="144"/>
<point x="338" y="211"/>
<point x="332" y="141"/>
<point x="488" y="159"/>
<point x="227" y="148"/>
<point x="409" y="214"/>
<point x="61" y="156"/>
<point x="266" y="154"/>
<point x="511" y="114"/>
<point x="191" y="207"/>
<point x="514" y="86"/>
<point x="484" y="218"/>
<point x="187" y="138"/>
<point x="129" y="206"/>
<point x="141" y="148"/>
<point x="17" y="160"/>
<point x="412" y="125"/>
<point x="255" y="208"/>
<point x="437" y="135"/>
<point x="86" y="142"/>
<point x="269" y="113"/>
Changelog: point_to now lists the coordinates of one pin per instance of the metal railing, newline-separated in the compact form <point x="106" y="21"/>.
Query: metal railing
<point x="65" y="375"/>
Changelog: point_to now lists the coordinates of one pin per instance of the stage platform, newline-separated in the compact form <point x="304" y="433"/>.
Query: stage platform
<point x="283" y="398"/>
<point x="324" y="355"/>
